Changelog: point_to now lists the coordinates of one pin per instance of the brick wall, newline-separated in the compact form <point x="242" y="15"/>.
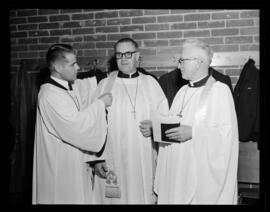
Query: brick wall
<point x="158" y="32"/>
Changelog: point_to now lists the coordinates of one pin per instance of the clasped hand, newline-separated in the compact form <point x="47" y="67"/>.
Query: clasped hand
<point x="101" y="169"/>
<point x="182" y="133"/>
<point x="146" y="128"/>
<point x="107" y="99"/>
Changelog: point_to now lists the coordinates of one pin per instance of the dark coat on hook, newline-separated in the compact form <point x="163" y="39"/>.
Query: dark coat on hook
<point x="92" y="73"/>
<point x="247" y="102"/>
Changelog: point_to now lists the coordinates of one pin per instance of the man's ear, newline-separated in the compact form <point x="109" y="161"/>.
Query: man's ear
<point x="138" y="58"/>
<point x="57" y="67"/>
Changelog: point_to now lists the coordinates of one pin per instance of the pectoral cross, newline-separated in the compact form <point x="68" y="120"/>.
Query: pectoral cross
<point x="134" y="113"/>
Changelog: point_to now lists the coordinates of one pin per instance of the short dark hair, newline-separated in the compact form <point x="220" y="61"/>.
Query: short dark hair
<point x="126" y="40"/>
<point x="57" y="51"/>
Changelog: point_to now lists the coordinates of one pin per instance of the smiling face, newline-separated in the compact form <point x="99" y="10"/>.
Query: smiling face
<point x="127" y="65"/>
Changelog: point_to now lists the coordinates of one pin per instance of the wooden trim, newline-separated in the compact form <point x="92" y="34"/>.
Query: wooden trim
<point x="248" y="162"/>
<point x="234" y="58"/>
<point x="219" y="59"/>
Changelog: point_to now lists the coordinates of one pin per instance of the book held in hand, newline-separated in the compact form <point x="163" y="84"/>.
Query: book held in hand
<point x="164" y="128"/>
<point x="161" y="124"/>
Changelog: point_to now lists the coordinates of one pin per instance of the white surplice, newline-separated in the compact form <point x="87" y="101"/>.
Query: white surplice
<point x="86" y="88"/>
<point x="202" y="170"/>
<point x="127" y="151"/>
<point x="64" y="127"/>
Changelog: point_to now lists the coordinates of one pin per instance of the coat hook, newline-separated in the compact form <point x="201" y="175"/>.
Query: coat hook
<point x="96" y="61"/>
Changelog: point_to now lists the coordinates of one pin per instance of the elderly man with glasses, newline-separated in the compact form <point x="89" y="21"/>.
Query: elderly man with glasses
<point x="199" y="165"/>
<point x="124" y="172"/>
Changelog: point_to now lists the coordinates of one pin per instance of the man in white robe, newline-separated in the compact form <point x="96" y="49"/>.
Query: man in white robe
<point x="65" y="130"/>
<point x="201" y="166"/>
<point x="129" y="156"/>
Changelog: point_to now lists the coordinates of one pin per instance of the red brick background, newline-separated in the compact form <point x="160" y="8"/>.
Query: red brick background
<point x="93" y="33"/>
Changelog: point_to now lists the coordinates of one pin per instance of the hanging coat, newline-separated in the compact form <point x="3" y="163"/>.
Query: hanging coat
<point x="247" y="102"/>
<point x="93" y="73"/>
<point x="22" y="119"/>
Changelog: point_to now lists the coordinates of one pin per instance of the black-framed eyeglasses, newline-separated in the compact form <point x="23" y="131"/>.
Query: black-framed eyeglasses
<point x="182" y="60"/>
<point x="128" y="55"/>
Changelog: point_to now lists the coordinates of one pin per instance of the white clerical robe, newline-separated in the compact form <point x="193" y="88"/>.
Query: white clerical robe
<point x="202" y="170"/>
<point x="86" y="88"/>
<point x="64" y="127"/>
<point x="127" y="152"/>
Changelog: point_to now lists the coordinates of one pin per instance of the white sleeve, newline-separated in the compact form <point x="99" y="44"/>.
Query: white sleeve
<point x="86" y="88"/>
<point x="85" y="129"/>
<point x="98" y="92"/>
<point x="157" y="97"/>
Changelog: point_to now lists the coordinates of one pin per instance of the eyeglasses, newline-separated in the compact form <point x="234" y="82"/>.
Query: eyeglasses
<point x="128" y="55"/>
<point x="182" y="60"/>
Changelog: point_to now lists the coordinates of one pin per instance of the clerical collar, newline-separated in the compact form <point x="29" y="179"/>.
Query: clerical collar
<point x="59" y="83"/>
<point x="123" y="75"/>
<point x="199" y="83"/>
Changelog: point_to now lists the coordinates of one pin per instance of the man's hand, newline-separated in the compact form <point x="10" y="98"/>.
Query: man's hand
<point x="101" y="169"/>
<point x="106" y="98"/>
<point x="146" y="128"/>
<point x="182" y="133"/>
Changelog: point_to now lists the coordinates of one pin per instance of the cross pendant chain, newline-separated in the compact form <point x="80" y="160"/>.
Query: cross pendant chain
<point x="133" y="106"/>
<point x="134" y="113"/>
<point x="185" y="103"/>
<point x="73" y="97"/>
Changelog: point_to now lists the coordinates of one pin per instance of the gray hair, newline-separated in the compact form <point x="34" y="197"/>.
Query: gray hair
<point x="126" y="40"/>
<point x="200" y="44"/>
